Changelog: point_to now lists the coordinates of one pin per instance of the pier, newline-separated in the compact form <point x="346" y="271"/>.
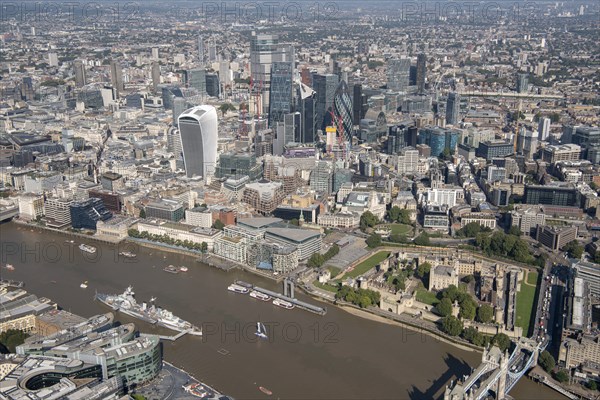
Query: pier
<point x="174" y="337"/>
<point x="298" y="303"/>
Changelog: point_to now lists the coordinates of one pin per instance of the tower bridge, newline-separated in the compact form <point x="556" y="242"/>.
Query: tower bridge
<point x="497" y="374"/>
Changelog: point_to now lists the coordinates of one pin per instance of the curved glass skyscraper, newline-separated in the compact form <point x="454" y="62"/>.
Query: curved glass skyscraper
<point x="198" y="129"/>
<point x="342" y="108"/>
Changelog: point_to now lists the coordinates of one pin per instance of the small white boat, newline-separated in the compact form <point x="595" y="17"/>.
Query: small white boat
<point x="69" y="241"/>
<point x="183" y="268"/>
<point x="283" y="304"/>
<point x="84" y="285"/>
<point x="9" y="267"/>
<point x="237" y="289"/>
<point x="261" y="331"/>
<point x="260" y="296"/>
<point x="87" y="248"/>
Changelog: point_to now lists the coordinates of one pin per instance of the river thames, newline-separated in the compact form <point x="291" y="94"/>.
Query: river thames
<point x="336" y="356"/>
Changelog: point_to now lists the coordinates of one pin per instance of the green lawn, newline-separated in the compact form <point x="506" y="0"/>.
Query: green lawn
<point x="325" y="286"/>
<point x="525" y="300"/>
<point x="334" y="270"/>
<point x="367" y="264"/>
<point x="427" y="297"/>
<point x="532" y="278"/>
<point x="399" y="229"/>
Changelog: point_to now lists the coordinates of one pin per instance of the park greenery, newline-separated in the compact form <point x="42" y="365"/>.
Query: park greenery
<point x="485" y="313"/>
<point x="546" y="361"/>
<point x="374" y="241"/>
<point x="218" y="225"/>
<point x="466" y="303"/>
<point x="574" y="249"/>
<point x="422" y="240"/>
<point x="360" y="297"/>
<point x="562" y="376"/>
<point x="397" y="277"/>
<point x="471" y="230"/>
<point x="396" y="214"/>
<point x="12" y="338"/>
<point x="188" y="244"/>
<point x="317" y="260"/>
<point x="507" y="245"/>
<point x="368" y="220"/>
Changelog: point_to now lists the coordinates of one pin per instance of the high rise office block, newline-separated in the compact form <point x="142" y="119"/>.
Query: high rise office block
<point x="198" y="128"/>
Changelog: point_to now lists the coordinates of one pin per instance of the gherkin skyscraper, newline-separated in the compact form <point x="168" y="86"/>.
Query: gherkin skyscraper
<point x="342" y="108"/>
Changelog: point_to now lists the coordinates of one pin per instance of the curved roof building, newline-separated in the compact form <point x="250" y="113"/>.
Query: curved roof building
<point x="198" y="128"/>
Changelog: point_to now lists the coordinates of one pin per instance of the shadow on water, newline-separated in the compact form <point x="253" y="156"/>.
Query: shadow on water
<point x="456" y="368"/>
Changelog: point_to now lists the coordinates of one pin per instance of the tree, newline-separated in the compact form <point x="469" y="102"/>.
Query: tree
<point x="474" y="336"/>
<point x="502" y="341"/>
<point x="294" y="221"/>
<point x="368" y="220"/>
<point x="514" y="230"/>
<point x="444" y="307"/>
<point x="12" y="338"/>
<point x="451" y="292"/>
<point x="485" y="313"/>
<point x="574" y="249"/>
<point x="374" y="241"/>
<point x="394" y="214"/>
<point x="423" y="269"/>
<point x="562" y="376"/>
<point x="218" y="225"/>
<point x="422" y="240"/>
<point x="452" y="325"/>
<point x="224" y="108"/>
<point x="143" y="213"/>
<point x="546" y="361"/>
<point x="405" y="217"/>
<point x="592" y="385"/>
<point x="468" y="308"/>
<point x="316" y="260"/>
<point x="204" y="247"/>
<point x="397" y="238"/>
<point x="468" y="279"/>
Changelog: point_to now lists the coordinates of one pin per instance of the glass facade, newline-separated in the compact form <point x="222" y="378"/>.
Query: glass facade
<point x="552" y="195"/>
<point x="398" y="74"/>
<point x="238" y="165"/>
<point x="281" y="91"/>
<point x="196" y="79"/>
<point x="342" y="108"/>
<point x="453" y="109"/>
<point x="325" y="86"/>
<point x="439" y="139"/>
<point x="85" y="214"/>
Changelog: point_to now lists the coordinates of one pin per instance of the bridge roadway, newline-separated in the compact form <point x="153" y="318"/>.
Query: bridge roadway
<point x="496" y="372"/>
<point x="8" y="213"/>
<point x="298" y="303"/>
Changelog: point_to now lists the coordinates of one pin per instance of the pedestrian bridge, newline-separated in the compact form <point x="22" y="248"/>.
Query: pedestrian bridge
<point x="497" y="374"/>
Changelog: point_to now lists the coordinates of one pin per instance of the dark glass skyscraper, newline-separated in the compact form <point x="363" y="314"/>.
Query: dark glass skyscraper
<point x="306" y="106"/>
<point x="421" y="72"/>
<point x="325" y="86"/>
<point x="168" y="94"/>
<point x="453" y="109"/>
<point x="213" y="87"/>
<point x="342" y="108"/>
<point x="281" y="91"/>
<point x="359" y="104"/>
